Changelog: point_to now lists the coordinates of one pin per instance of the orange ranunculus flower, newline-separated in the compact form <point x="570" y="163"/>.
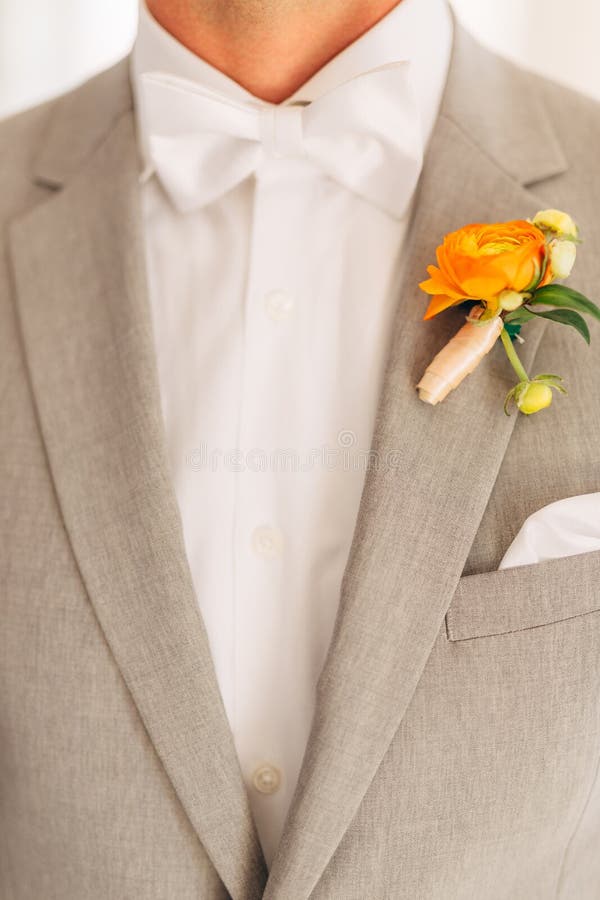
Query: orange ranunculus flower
<point x="478" y="262"/>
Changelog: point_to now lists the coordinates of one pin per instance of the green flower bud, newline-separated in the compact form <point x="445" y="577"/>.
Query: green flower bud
<point x="557" y="221"/>
<point x="536" y="396"/>
<point x="562" y="258"/>
<point x="510" y="300"/>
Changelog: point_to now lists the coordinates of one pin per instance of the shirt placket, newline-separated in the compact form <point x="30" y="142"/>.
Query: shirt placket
<point x="262" y="532"/>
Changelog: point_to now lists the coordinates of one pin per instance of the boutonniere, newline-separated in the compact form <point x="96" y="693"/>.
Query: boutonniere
<point x="508" y="273"/>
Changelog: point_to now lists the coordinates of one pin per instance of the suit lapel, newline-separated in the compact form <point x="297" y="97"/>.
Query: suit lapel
<point x="421" y="506"/>
<point x="80" y="275"/>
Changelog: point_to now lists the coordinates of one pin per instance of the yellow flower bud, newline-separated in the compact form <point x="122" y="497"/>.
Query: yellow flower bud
<point x="554" y="220"/>
<point x="536" y="396"/>
<point x="562" y="258"/>
<point x="510" y="300"/>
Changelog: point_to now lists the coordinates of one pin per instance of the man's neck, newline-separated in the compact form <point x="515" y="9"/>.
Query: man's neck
<point x="270" y="47"/>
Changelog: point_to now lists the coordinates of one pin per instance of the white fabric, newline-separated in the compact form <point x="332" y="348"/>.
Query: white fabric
<point x="272" y="307"/>
<point x="201" y="143"/>
<point x="564" y="528"/>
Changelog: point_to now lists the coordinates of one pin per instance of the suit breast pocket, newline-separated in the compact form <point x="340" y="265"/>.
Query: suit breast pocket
<point x="532" y="596"/>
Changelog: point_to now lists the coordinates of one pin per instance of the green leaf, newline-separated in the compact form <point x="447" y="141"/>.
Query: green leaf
<point x="508" y="400"/>
<point x="553" y="381"/>
<point x="566" y="298"/>
<point x="566" y="317"/>
<point x="519" y="316"/>
<point x="547" y="377"/>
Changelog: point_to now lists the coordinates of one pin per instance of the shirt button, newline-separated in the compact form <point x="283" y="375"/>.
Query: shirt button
<point x="267" y="541"/>
<point x="279" y="305"/>
<point x="266" y="779"/>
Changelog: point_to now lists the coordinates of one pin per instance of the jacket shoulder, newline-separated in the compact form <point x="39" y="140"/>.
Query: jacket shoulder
<point x="575" y="116"/>
<point x="58" y="132"/>
<point x="21" y="135"/>
<point x="575" y="119"/>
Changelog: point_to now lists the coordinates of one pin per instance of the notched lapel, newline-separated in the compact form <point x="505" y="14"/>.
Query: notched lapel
<point x="80" y="275"/>
<point x="421" y="507"/>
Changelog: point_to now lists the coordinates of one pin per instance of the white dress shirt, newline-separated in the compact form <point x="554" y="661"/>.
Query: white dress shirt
<point x="272" y="309"/>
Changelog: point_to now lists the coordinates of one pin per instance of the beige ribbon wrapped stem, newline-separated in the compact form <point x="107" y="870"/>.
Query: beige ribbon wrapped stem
<point x="459" y="357"/>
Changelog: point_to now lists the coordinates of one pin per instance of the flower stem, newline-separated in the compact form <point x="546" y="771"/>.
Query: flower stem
<point x="512" y="355"/>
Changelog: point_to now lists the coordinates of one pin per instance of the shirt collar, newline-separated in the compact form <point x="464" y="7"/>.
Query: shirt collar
<point x="406" y="33"/>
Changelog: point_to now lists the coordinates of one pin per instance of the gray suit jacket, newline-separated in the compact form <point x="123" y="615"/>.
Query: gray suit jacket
<point x="454" y="752"/>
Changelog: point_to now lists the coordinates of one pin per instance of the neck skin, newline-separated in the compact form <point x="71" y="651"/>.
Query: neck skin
<point x="270" y="47"/>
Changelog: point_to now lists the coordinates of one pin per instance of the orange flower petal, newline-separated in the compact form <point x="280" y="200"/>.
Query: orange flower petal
<point x="481" y="260"/>
<point x="484" y="286"/>
<point x="437" y="305"/>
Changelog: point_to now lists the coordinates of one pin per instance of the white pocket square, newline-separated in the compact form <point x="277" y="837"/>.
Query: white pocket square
<point x="563" y="528"/>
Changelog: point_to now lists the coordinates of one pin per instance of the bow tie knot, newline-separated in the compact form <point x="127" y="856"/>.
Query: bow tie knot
<point x="365" y="134"/>
<point x="281" y="131"/>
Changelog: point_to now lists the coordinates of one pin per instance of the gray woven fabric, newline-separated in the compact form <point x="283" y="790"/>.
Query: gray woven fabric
<point x="455" y="748"/>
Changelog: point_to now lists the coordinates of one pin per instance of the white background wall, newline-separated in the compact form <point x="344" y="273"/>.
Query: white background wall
<point x="47" y="46"/>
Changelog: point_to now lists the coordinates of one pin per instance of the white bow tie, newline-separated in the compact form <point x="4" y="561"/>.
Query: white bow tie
<point x="365" y="134"/>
